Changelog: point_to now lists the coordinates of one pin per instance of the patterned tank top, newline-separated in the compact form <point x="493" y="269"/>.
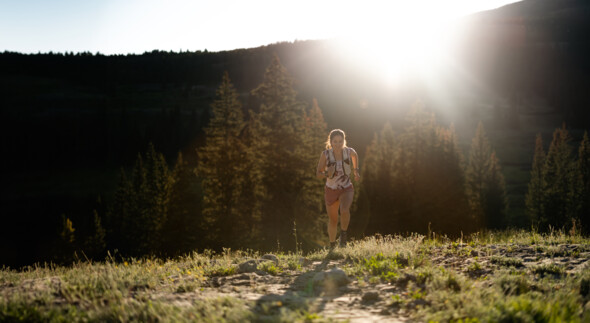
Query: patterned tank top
<point x="340" y="179"/>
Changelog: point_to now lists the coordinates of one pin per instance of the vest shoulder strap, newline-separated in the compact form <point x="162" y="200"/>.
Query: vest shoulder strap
<point x="331" y="157"/>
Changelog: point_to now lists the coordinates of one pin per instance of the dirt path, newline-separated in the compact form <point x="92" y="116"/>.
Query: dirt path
<point x="364" y="302"/>
<point x="295" y="290"/>
<point x="322" y="289"/>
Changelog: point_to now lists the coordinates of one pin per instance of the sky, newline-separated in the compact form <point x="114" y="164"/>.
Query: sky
<point x="138" y="26"/>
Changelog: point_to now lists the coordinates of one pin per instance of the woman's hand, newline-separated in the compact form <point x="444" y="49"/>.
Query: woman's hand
<point x="357" y="176"/>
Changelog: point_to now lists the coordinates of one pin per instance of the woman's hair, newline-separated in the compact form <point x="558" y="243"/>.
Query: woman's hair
<point x="334" y="133"/>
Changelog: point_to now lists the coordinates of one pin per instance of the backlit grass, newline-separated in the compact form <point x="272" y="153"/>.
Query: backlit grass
<point x="495" y="276"/>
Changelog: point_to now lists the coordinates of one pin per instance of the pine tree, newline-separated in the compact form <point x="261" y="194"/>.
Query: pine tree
<point x="450" y="180"/>
<point x="367" y="193"/>
<point x="584" y="172"/>
<point x="279" y="138"/>
<point x="415" y="179"/>
<point x="95" y="244"/>
<point x="140" y="209"/>
<point x="561" y="204"/>
<point x="156" y="197"/>
<point x="183" y="230"/>
<point x="311" y="220"/>
<point x="495" y="201"/>
<point x="66" y="245"/>
<point x="418" y="141"/>
<point x="476" y="173"/>
<point x="118" y="216"/>
<point x="378" y="179"/>
<point x="223" y="164"/>
<point x="67" y="231"/>
<point x="534" y="198"/>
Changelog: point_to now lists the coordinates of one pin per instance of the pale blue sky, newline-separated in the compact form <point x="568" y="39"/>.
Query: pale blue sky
<point x="136" y="26"/>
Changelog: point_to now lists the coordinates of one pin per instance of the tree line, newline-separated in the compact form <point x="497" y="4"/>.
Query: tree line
<point x="559" y="189"/>
<point x="418" y="180"/>
<point x="254" y="185"/>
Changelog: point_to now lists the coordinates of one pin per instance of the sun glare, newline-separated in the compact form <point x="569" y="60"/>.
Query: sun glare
<point x="404" y="39"/>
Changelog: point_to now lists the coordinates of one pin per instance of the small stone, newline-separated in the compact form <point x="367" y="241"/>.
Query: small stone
<point x="261" y="273"/>
<point x="304" y="261"/>
<point x="330" y="281"/>
<point x="249" y="266"/>
<point x="271" y="257"/>
<point x="370" y="297"/>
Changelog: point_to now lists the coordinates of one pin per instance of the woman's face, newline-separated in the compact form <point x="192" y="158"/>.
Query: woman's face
<point x="337" y="142"/>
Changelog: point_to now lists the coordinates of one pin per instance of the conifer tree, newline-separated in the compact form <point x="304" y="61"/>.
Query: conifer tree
<point x="561" y="203"/>
<point x="476" y="173"/>
<point x="183" y="230"/>
<point x="495" y="201"/>
<point x="435" y="163"/>
<point x="66" y="246"/>
<point x="67" y="230"/>
<point x="450" y="180"/>
<point x="584" y="171"/>
<point x="223" y="163"/>
<point x="534" y="198"/>
<point x="310" y="197"/>
<point x="380" y="170"/>
<point x="369" y="177"/>
<point x="415" y="179"/>
<point x="279" y="138"/>
<point x="156" y="197"/>
<point x="140" y="208"/>
<point x="418" y="141"/>
<point x="118" y="217"/>
<point x="95" y="244"/>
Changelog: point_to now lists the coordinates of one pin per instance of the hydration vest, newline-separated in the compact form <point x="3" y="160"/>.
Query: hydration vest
<point x="346" y="161"/>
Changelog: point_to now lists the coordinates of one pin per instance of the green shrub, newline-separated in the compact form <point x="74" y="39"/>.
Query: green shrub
<point x="386" y="268"/>
<point x="269" y="267"/>
<point x="506" y="261"/>
<point x="513" y="285"/>
<point x="552" y="269"/>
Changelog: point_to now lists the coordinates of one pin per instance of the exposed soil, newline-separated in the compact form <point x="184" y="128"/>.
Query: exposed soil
<point x="365" y="302"/>
<point x="322" y="288"/>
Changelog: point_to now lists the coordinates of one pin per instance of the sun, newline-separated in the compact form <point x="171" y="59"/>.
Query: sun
<point x="405" y="39"/>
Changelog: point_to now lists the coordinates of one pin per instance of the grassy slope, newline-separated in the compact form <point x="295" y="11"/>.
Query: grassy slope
<point x="506" y="276"/>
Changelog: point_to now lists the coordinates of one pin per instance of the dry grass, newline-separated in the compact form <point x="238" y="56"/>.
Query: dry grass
<point x="500" y="276"/>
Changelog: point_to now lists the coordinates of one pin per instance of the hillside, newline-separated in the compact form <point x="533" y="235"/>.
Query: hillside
<point x="71" y="122"/>
<point x="505" y="276"/>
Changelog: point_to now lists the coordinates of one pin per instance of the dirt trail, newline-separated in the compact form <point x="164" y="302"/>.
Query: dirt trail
<point x="369" y="302"/>
<point x="322" y="287"/>
<point x="294" y="289"/>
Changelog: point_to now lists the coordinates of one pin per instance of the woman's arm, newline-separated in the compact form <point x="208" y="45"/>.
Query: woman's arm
<point x="320" y="173"/>
<point x="355" y="165"/>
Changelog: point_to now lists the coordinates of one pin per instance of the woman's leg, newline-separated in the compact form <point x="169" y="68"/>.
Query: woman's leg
<point x="345" y="203"/>
<point x="333" y="220"/>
